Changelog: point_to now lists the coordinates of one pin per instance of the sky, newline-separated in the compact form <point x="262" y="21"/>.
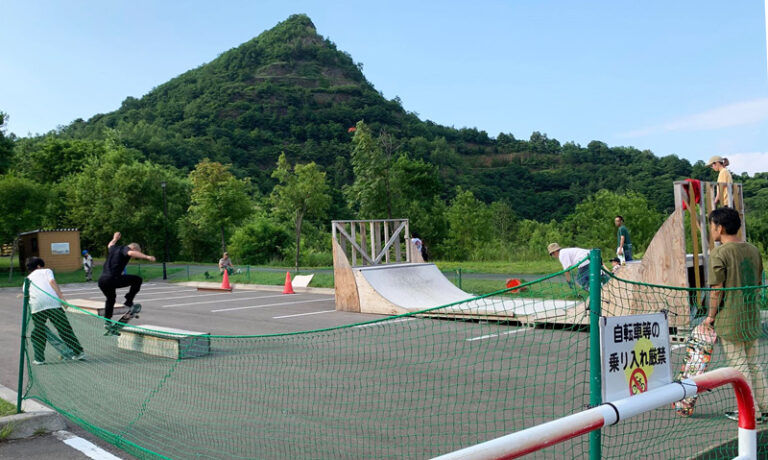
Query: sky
<point x="685" y="78"/>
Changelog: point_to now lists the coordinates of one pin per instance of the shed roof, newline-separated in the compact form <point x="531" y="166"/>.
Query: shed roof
<point x="47" y="230"/>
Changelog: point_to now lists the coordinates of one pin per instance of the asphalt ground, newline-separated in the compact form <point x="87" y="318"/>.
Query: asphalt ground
<point x="259" y="312"/>
<point x="241" y="312"/>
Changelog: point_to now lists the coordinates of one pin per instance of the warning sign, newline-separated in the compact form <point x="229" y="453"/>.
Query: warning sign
<point x="635" y="354"/>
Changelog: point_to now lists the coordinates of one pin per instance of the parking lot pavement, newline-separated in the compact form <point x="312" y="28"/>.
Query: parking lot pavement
<point x="241" y="312"/>
<point x="73" y="444"/>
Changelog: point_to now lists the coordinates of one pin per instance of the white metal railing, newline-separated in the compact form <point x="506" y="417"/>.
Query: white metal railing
<point x="547" y="434"/>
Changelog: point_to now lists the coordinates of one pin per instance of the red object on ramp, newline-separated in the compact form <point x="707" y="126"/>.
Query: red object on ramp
<point x="514" y="282"/>
<point x="288" y="288"/>
<point x="696" y="192"/>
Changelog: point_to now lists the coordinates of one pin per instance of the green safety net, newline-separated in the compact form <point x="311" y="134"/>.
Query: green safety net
<point x="409" y="386"/>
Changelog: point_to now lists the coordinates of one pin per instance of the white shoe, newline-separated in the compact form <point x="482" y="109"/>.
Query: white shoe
<point x="79" y="357"/>
<point x="37" y="363"/>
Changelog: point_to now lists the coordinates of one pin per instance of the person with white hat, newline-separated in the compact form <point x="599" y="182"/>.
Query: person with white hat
<point x="724" y="178"/>
<point x="569" y="258"/>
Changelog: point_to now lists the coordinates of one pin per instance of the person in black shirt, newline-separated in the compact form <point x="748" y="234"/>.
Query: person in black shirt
<point x="112" y="276"/>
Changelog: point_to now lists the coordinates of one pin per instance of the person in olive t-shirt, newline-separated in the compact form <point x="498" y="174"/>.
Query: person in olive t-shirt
<point x="735" y="314"/>
<point x="112" y="276"/>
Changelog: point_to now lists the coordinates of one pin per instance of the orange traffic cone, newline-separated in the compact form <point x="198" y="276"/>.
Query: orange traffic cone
<point x="288" y="289"/>
<point x="225" y="281"/>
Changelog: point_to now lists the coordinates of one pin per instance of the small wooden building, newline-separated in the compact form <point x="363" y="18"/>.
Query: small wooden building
<point x="59" y="248"/>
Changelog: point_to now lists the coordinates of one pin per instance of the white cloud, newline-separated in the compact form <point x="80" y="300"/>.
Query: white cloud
<point x="738" y="114"/>
<point x="750" y="163"/>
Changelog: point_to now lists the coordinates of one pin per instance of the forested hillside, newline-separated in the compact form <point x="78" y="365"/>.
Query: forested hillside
<point x="291" y="91"/>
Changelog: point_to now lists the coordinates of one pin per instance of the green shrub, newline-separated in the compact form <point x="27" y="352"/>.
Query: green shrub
<point x="259" y="241"/>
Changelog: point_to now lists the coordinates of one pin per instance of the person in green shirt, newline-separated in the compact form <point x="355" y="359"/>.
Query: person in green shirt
<point x="735" y="313"/>
<point x="623" y="243"/>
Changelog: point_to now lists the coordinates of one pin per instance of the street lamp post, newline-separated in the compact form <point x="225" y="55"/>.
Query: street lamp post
<point x="165" y="230"/>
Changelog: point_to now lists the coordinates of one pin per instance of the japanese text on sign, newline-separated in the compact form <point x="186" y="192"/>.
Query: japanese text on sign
<point x="634" y="354"/>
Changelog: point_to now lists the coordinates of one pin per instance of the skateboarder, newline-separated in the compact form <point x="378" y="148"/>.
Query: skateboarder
<point x="112" y="276"/>
<point x="45" y="304"/>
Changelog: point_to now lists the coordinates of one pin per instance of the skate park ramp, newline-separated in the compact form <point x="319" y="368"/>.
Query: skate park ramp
<point x="405" y="288"/>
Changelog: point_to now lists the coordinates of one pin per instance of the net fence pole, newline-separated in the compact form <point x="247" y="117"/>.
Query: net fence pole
<point x="595" y="377"/>
<point x="22" y="348"/>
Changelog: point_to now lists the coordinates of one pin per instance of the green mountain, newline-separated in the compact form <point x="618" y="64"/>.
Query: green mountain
<point x="291" y="90"/>
<point x="288" y="89"/>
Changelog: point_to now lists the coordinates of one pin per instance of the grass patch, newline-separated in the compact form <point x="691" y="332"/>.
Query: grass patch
<point x="6" y="408"/>
<point x="146" y="271"/>
<point x="504" y="267"/>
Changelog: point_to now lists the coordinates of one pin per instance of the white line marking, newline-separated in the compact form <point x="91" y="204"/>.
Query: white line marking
<point x="483" y="337"/>
<point x="303" y="314"/>
<point x="222" y="301"/>
<point x="189" y="296"/>
<point x="384" y="323"/>
<point x="88" y="448"/>
<point x="270" y="305"/>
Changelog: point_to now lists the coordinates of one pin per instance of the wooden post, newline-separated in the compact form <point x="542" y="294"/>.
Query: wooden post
<point x="694" y="240"/>
<point x="704" y="233"/>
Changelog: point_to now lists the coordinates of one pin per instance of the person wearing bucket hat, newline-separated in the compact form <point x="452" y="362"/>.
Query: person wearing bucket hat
<point x="724" y="178"/>
<point x="87" y="265"/>
<point x="569" y="258"/>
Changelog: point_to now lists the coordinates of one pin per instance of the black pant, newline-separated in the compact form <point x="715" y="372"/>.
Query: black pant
<point x="109" y="286"/>
<point x="60" y="321"/>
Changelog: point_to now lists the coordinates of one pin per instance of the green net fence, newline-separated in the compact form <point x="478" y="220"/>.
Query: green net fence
<point x="409" y="386"/>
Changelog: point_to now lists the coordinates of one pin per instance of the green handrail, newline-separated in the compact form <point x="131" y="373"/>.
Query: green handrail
<point x="22" y="348"/>
<point x="595" y="376"/>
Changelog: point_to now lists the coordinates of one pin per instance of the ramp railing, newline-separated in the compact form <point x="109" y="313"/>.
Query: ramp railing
<point x="373" y="242"/>
<point x="547" y="434"/>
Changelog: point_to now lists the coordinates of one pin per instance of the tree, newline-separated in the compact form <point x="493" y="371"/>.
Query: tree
<point x="260" y="240"/>
<point x="218" y="199"/>
<point x="469" y="224"/>
<point x="6" y="145"/>
<point x="116" y="192"/>
<point x="591" y="225"/>
<point x="299" y="193"/>
<point x="411" y="181"/>
<point x="504" y="219"/>
<point x="369" y="193"/>
<point x="22" y="206"/>
<point x="53" y="159"/>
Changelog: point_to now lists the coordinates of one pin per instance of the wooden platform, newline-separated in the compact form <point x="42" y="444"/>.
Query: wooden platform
<point x="94" y="306"/>
<point x="165" y="342"/>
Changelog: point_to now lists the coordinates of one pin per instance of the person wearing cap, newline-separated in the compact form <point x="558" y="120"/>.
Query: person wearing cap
<point x="569" y="258"/>
<point x="88" y="265"/>
<point x="225" y="263"/>
<point x="615" y="264"/>
<point x="724" y="178"/>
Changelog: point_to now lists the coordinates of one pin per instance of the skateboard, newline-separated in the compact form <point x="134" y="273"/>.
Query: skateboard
<point x="115" y="328"/>
<point x="58" y="344"/>
<point x="698" y="354"/>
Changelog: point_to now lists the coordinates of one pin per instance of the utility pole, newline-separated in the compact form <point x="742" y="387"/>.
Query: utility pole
<point x="165" y="230"/>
